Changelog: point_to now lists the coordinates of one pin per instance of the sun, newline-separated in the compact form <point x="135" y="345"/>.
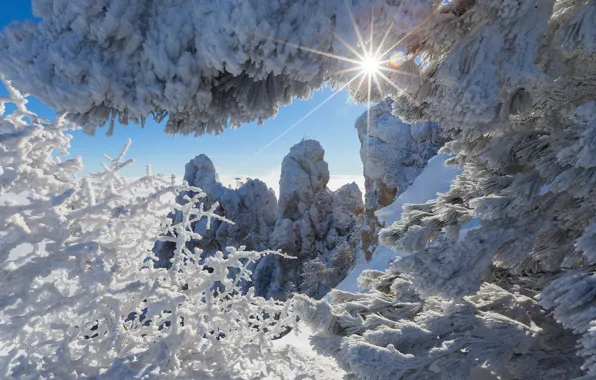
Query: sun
<point x="370" y="65"/>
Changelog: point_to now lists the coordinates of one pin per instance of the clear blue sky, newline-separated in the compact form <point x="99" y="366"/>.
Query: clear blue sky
<point x="332" y="125"/>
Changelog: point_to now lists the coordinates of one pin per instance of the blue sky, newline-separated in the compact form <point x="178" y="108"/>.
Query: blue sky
<point x="332" y="125"/>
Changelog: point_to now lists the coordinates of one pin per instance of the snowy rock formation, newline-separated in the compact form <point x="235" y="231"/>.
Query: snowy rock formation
<point x="252" y="207"/>
<point x="318" y="227"/>
<point x="393" y="154"/>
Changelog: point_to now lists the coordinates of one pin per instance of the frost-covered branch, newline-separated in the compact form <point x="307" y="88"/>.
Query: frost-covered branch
<point x="80" y="296"/>
<point x="510" y="84"/>
<point x="205" y="65"/>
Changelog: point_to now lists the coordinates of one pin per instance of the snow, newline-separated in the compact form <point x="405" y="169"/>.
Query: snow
<point x="311" y="364"/>
<point x="271" y="179"/>
<point x="317" y="226"/>
<point x="393" y="154"/>
<point x="516" y="296"/>
<point x="209" y="65"/>
<point x="381" y="260"/>
<point x="252" y="207"/>
<point x="435" y="178"/>
<point x="472" y="225"/>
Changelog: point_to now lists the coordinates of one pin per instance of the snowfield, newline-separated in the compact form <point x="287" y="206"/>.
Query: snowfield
<point x="309" y="364"/>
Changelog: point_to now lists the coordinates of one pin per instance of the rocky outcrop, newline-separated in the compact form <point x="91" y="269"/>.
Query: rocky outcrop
<point x="252" y="207"/>
<point x="304" y="201"/>
<point x="324" y="231"/>
<point x="319" y="228"/>
<point x="393" y="154"/>
<point x="316" y="226"/>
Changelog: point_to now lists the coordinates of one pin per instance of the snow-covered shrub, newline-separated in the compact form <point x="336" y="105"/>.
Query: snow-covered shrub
<point x="80" y="297"/>
<point x="252" y="207"/>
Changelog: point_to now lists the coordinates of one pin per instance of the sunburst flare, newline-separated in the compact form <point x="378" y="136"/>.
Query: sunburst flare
<point x="367" y="64"/>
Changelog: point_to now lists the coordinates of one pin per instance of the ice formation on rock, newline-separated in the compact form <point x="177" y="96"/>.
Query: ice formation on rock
<point x="318" y="227"/>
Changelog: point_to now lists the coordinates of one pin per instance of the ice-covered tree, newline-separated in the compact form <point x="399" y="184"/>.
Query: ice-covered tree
<point x="511" y="83"/>
<point x="252" y="207"/>
<point x="80" y="297"/>
<point x="206" y="65"/>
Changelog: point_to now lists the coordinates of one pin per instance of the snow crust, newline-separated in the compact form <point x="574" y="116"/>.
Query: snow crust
<point x="434" y="179"/>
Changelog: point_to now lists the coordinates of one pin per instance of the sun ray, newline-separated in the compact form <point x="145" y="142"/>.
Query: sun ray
<point x="302" y="118"/>
<point x="389" y="81"/>
<point x="383" y="68"/>
<point x="368" y="120"/>
<point x="359" y="86"/>
<point x="384" y="38"/>
<point x="423" y="22"/>
<point x="348" y="70"/>
<point x="379" y="87"/>
<point x="368" y="65"/>
<point x="389" y="29"/>
<point x="354" y="51"/>
<point x="372" y="31"/>
<point x="358" y="35"/>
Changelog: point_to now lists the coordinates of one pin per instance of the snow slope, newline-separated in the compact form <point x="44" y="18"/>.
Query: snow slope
<point x="435" y="178"/>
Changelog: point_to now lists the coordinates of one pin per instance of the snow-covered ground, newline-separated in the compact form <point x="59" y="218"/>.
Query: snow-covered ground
<point x="309" y="364"/>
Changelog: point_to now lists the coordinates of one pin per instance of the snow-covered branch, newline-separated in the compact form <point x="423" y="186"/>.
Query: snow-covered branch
<point x="206" y="65"/>
<point x="80" y="296"/>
